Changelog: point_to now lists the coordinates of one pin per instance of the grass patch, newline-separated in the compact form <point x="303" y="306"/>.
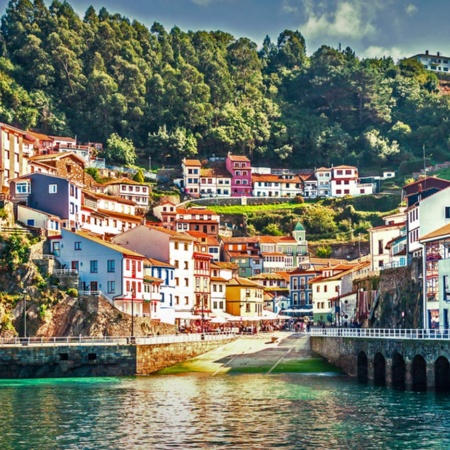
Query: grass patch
<point x="312" y="365"/>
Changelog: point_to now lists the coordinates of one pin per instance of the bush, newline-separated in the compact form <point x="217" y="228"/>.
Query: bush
<point x="72" y="292"/>
<point x="298" y="199"/>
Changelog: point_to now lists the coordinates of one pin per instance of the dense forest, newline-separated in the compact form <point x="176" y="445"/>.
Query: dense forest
<point x="196" y="94"/>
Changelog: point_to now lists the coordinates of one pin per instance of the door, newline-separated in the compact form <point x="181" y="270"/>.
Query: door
<point x="75" y="265"/>
<point x="56" y="251"/>
<point x="94" y="286"/>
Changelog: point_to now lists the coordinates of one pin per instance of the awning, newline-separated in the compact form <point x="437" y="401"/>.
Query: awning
<point x="186" y="315"/>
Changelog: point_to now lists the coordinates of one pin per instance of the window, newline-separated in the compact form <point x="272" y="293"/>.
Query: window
<point x="186" y="282"/>
<point x="111" y="287"/>
<point x="176" y="245"/>
<point x="111" y="265"/>
<point x="186" y="247"/>
<point x="94" y="266"/>
<point x="77" y="245"/>
<point x="52" y="188"/>
<point x="447" y="212"/>
<point x="22" y="188"/>
<point x="380" y="247"/>
<point x="186" y="265"/>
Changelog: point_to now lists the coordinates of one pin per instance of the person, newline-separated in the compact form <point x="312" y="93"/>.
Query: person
<point x="308" y="327"/>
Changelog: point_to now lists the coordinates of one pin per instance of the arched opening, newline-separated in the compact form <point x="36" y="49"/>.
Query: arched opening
<point x="362" y="367"/>
<point x="442" y="374"/>
<point x="419" y="373"/>
<point x="379" y="370"/>
<point x="398" y="372"/>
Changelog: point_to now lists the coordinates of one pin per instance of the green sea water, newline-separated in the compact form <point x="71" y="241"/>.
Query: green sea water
<point x="233" y="411"/>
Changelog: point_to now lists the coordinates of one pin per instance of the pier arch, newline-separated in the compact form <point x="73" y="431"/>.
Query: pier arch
<point x="419" y="373"/>
<point x="363" y="367"/>
<point x="379" y="369"/>
<point x="442" y="374"/>
<point x="398" y="372"/>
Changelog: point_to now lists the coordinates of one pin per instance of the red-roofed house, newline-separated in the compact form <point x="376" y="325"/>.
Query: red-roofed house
<point x="268" y="185"/>
<point x="197" y="219"/>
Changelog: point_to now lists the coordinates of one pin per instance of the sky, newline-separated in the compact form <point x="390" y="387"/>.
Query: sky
<point x="372" y="28"/>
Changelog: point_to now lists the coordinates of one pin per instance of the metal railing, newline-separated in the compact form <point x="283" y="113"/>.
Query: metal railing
<point x="382" y="333"/>
<point x="114" y="340"/>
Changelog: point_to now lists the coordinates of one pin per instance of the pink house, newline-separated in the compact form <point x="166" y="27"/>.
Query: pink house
<point x="241" y="173"/>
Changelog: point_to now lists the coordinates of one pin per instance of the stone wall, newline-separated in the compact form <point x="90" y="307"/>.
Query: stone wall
<point x="151" y="358"/>
<point x="48" y="361"/>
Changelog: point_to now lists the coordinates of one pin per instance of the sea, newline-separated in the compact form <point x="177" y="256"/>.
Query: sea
<point x="224" y="411"/>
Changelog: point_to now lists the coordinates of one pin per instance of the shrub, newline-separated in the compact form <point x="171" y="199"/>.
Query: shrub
<point x="324" y="251"/>
<point x="72" y="292"/>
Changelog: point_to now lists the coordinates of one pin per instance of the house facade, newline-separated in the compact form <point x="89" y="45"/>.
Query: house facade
<point x="345" y="181"/>
<point x="101" y="266"/>
<point x="50" y="194"/>
<point x="241" y="175"/>
<point x="16" y="146"/>
<point x="244" y="298"/>
<point x="276" y="185"/>
<point x="191" y="176"/>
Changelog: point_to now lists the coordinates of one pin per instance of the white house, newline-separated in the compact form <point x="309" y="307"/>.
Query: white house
<point x="191" y="176"/>
<point x="345" y="181"/>
<point x="176" y="249"/>
<point x="131" y="190"/>
<point x="380" y="236"/>
<point x="323" y="176"/>
<point x="435" y="63"/>
<point x="268" y="185"/>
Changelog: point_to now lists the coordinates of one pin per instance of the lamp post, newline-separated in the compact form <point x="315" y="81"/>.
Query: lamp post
<point x="149" y="163"/>
<point x="132" y="314"/>
<point x="203" y="313"/>
<point x="24" y="293"/>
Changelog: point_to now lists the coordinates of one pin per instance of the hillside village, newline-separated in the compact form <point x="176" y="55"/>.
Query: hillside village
<point x="188" y="269"/>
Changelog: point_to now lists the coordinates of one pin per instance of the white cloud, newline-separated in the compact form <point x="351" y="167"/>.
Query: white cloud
<point x="346" y="19"/>
<point x="289" y="8"/>
<point x="411" y="9"/>
<point x="378" y="52"/>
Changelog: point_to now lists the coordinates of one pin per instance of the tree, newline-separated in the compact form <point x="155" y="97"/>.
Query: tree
<point x="139" y="176"/>
<point x="120" y="149"/>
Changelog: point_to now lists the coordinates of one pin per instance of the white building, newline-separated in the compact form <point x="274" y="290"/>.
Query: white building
<point x="176" y="249"/>
<point x="435" y="63"/>
<point x="323" y="177"/>
<point x="345" y="181"/>
<point x="276" y="185"/>
<point x="191" y="176"/>
<point x="131" y="190"/>
<point x="380" y="237"/>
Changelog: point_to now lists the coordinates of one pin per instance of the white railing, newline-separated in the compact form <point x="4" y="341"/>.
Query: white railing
<point x="114" y="340"/>
<point x="381" y="333"/>
<point x="65" y="271"/>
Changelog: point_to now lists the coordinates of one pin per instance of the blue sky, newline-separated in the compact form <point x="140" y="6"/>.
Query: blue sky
<point x="371" y="27"/>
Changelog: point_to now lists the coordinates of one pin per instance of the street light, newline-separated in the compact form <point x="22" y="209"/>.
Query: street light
<point x="132" y="315"/>
<point x="149" y="163"/>
<point x="24" y="293"/>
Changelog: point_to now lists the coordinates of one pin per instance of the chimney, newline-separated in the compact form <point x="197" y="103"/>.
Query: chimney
<point x="438" y="53"/>
<point x="426" y="52"/>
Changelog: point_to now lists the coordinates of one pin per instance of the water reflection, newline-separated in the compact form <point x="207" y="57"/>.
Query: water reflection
<point x="291" y="411"/>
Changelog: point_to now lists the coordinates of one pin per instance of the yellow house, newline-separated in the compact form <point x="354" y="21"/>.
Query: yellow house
<point x="244" y="298"/>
